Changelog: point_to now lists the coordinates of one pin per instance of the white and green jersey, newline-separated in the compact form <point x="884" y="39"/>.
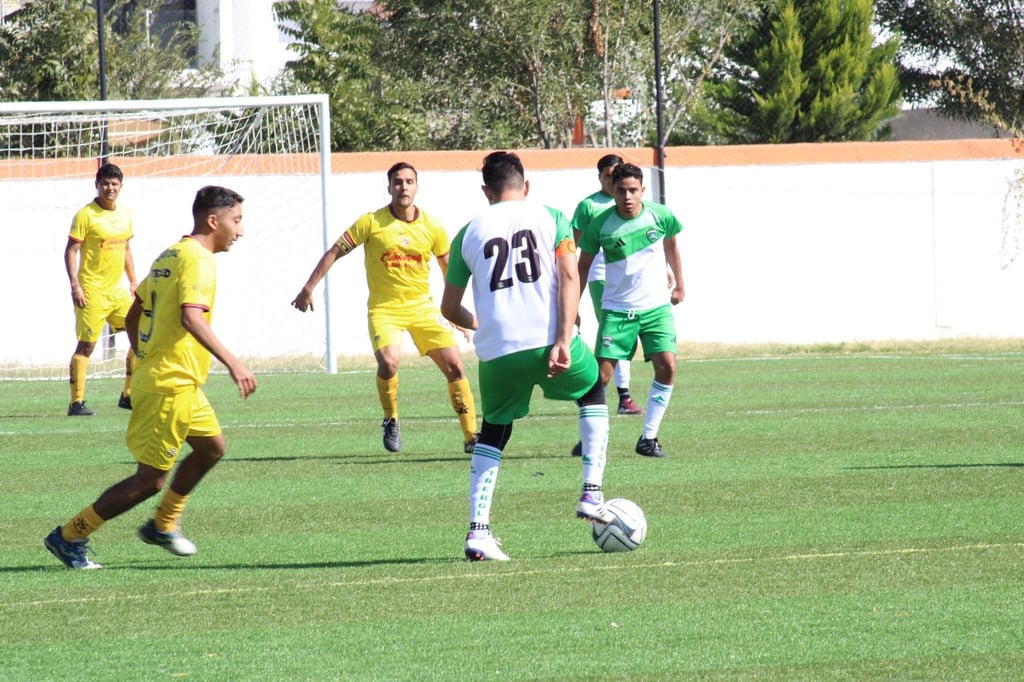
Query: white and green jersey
<point x="509" y="250"/>
<point x="634" y="255"/>
<point x="585" y="212"/>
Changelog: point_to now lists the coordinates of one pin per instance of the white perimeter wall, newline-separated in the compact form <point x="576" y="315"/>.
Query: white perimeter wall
<point x="803" y="253"/>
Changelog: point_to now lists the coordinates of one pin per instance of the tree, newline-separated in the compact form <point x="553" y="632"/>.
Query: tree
<point x="49" y="52"/>
<point x="494" y="74"/>
<point x="964" y="56"/>
<point x="340" y="53"/>
<point x="809" y="72"/>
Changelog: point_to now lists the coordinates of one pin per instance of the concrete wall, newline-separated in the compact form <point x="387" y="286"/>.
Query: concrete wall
<point x="802" y="244"/>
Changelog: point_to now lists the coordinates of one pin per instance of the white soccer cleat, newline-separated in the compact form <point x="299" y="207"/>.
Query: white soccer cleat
<point x="483" y="548"/>
<point x="591" y="507"/>
<point x="173" y="542"/>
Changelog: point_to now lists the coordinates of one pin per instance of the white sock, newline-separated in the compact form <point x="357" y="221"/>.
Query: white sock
<point x="483" y="474"/>
<point x="594" y="436"/>
<point x="621" y="374"/>
<point x="657" y="403"/>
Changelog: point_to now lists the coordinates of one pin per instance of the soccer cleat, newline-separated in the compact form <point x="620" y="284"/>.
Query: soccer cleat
<point x="124" y="402"/>
<point x="627" y="406"/>
<point x="392" y="435"/>
<point x="468" y="446"/>
<point x="71" y="554"/>
<point x="484" y="548"/>
<point x="78" y="409"/>
<point x="591" y="507"/>
<point x="649" y="447"/>
<point x="577" y="450"/>
<point x="174" y="542"/>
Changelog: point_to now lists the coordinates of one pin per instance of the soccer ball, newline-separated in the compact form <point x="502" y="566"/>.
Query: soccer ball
<point x="626" y="532"/>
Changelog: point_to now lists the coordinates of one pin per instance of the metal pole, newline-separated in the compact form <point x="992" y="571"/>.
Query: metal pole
<point x="102" y="45"/>
<point x="659" y="95"/>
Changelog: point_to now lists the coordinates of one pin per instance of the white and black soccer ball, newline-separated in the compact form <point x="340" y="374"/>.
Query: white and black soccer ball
<point x="626" y="532"/>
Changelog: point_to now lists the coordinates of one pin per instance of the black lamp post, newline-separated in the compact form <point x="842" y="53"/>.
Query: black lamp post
<point x="102" y="45"/>
<point x="659" y="106"/>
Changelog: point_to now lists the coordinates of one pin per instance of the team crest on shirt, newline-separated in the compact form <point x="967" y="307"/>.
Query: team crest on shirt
<point x="652" y="235"/>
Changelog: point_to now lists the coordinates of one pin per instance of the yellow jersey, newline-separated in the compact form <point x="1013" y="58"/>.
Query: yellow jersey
<point x="170" y="357"/>
<point x="104" y="237"/>
<point x="397" y="255"/>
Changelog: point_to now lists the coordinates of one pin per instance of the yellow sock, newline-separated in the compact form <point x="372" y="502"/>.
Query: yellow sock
<point x="169" y="511"/>
<point x="462" y="402"/>
<point x="83" y="525"/>
<point x="129" y="369"/>
<point x="79" y="363"/>
<point x="387" y="389"/>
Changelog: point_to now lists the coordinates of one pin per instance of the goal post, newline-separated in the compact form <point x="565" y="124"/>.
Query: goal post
<point x="273" y="150"/>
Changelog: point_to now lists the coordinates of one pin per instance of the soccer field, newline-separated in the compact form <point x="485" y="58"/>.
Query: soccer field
<point x="821" y="515"/>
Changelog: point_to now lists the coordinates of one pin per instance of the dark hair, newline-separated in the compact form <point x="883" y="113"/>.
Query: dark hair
<point x="627" y="170"/>
<point x="401" y="165"/>
<point x="109" y="170"/>
<point x="502" y="171"/>
<point x="211" y="198"/>
<point x="608" y="160"/>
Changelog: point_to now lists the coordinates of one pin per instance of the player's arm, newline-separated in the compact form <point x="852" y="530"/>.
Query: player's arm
<point x="71" y="252"/>
<point x="131" y="324"/>
<point x="452" y="308"/>
<point x="675" y="265"/>
<point x="304" y="301"/>
<point x="568" y="307"/>
<point x="129" y="266"/>
<point x="583" y="266"/>
<point x="194" y="322"/>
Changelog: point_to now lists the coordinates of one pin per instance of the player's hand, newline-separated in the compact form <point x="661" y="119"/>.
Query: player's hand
<point x="461" y="330"/>
<point x="559" y="359"/>
<point x="678" y="293"/>
<point x="303" y="302"/>
<point x="244" y="379"/>
<point x="78" y="297"/>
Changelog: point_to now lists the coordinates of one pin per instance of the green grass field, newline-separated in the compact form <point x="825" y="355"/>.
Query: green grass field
<point x="851" y="514"/>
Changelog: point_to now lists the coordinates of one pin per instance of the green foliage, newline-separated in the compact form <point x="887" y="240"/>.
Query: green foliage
<point x="49" y="51"/>
<point x="854" y="515"/>
<point x="372" y="106"/>
<point x="809" y="72"/>
<point x="963" y="56"/>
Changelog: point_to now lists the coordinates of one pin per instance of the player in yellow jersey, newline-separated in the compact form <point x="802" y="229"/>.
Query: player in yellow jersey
<point x="398" y="241"/>
<point x="96" y="255"/>
<point x="169" y="328"/>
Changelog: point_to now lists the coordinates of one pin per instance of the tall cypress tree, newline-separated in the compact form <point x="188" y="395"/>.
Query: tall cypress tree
<point x="809" y="72"/>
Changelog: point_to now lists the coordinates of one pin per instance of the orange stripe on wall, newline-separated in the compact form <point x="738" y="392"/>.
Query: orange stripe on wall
<point x="533" y="159"/>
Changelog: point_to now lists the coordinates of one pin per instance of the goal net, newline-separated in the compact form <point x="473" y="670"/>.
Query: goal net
<point x="274" y="151"/>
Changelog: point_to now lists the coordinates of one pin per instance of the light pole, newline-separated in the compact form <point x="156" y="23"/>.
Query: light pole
<point x="659" y="105"/>
<point x="102" y="45"/>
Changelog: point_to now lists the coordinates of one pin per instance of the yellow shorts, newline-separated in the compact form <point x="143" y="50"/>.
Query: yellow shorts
<point x="424" y="323"/>
<point x="161" y="422"/>
<point x="100" y="308"/>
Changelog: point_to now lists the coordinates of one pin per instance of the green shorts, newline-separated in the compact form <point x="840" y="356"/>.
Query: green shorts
<point x="619" y="330"/>
<point x="506" y="383"/>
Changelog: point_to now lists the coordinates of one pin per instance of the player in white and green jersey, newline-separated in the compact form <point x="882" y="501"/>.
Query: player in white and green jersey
<point x="585" y="212"/>
<point x="521" y="259"/>
<point x="637" y="239"/>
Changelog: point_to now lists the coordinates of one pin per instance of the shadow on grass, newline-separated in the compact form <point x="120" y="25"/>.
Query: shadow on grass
<point x="178" y="566"/>
<point x="1010" y="465"/>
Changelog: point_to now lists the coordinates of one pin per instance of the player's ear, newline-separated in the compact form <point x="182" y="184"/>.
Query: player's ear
<point x="526" y="187"/>
<point x="491" y="198"/>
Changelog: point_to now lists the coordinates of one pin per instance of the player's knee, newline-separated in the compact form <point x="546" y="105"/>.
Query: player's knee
<point x="495" y="435"/>
<point x="595" y="396"/>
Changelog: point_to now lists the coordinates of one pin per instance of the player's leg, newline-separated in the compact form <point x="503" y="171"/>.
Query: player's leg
<point x="123" y="299"/>
<point x="386" y="332"/>
<point x="88" y="324"/>
<point x="435" y="339"/>
<point x="506" y="385"/>
<point x="622" y="378"/>
<point x="582" y="383"/>
<point x="658" y="337"/>
<point x="206" y="440"/>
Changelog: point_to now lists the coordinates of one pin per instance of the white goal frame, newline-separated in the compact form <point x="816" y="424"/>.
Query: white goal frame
<point x="98" y="109"/>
